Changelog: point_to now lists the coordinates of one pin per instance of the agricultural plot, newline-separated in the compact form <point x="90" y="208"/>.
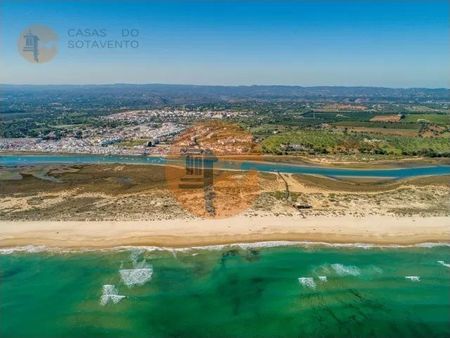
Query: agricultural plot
<point x="330" y="142"/>
<point x="441" y="119"/>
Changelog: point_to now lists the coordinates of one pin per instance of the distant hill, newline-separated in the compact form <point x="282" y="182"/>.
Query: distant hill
<point x="191" y="94"/>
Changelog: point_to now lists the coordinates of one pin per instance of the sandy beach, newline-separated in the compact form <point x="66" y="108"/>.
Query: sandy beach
<point x="103" y="206"/>
<point x="377" y="229"/>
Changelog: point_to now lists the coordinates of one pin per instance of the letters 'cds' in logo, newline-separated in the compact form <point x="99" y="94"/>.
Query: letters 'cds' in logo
<point x="195" y="170"/>
<point x="38" y="44"/>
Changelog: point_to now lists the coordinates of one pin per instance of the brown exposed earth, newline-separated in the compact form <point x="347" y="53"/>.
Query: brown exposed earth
<point x="386" y="118"/>
<point x="139" y="192"/>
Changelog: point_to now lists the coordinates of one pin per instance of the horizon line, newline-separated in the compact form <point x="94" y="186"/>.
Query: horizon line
<point x="217" y="85"/>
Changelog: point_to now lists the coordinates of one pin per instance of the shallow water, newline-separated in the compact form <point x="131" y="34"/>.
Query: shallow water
<point x="17" y="160"/>
<point x="227" y="292"/>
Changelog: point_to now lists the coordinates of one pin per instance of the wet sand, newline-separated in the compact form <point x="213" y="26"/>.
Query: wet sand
<point x="373" y="229"/>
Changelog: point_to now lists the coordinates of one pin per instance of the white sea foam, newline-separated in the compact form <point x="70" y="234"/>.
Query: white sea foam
<point x="346" y="270"/>
<point x="307" y="282"/>
<point x="444" y="264"/>
<point x="323" y="278"/>
<point x="375" y="269"/>
<point x="110" y="294"/>
<point x="135" y="277"/>
<point x="140" y="274"/>
<point x="413" y="278"/>
<point x="268" y="244"/>
<point x="429" y="245"/>
<point x="134" y="255"/>
<point x="26" y="249"/>
<point x="326" y="270"/>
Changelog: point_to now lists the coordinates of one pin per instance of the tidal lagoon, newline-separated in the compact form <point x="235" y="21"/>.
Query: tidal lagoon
<point x="13" y="160"/>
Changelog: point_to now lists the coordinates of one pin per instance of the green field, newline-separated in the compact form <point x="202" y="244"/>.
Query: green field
<point x="328" y="142"/>
<point x="442" y="119"/>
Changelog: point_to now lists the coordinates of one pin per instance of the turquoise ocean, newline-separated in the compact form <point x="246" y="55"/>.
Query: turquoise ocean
<point x="245" y="291"/>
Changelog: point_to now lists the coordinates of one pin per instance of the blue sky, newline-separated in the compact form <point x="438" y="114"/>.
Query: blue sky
<point x="370" y="43"/>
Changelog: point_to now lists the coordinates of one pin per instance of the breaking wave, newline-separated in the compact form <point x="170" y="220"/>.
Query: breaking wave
<point x="307" y="282"/>
<point x="136" y="277"/>
<point x="346" y="270"/>
<point x="323" y="278"/>
<point x="141" y="272"/>
<point x="268" y="244"/>
<point x="135" y="254"/>
<point x="444" y="264"/>
<point x="413" y="278"/>
<point x="26" y="249"/>
<point x="110" y="294"/>
<point x="341" y="270"/>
